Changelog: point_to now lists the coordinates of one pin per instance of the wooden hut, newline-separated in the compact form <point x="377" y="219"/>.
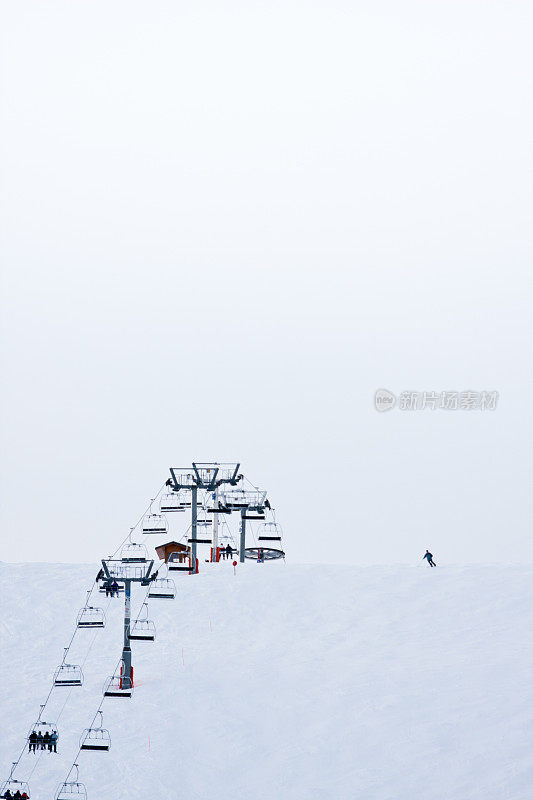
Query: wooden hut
<point x="164" y="550"/>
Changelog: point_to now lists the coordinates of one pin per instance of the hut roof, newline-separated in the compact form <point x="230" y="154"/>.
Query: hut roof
<point x="172" y="547"/>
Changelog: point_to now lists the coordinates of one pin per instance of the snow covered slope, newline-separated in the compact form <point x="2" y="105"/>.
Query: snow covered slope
<point x="382" y="683"/>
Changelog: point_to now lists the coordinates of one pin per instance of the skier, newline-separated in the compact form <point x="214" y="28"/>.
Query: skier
<point x="46" y="741"/>
<point x="229" y="551"/>
<point x="429" y="558"/>
<point x="53" y="742"/>
<point x="32" y="742"/>
<point x="114" y="587"/>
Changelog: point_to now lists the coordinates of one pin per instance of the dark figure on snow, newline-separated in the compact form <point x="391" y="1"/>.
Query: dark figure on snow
<point x="429" y="558"/>
<point x="32" y="741"/>
<point x="229" y="550"/>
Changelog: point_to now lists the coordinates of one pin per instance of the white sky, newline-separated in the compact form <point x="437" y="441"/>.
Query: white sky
<point x="224" y="225"/>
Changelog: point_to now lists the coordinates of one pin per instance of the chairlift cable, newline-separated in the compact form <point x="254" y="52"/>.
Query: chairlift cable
<point x="67" y="649"/>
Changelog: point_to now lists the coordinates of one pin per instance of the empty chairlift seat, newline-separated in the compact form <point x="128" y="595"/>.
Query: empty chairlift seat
<point x="269" y="535"/>
<point x="171" y="502"/>
<point x="91" y="617"/>
<point x="162" y="588"/>
<point x="71" y="789"/>
<point x="142" y="629"/>
<point x="269" y="532"/>
<point x="179" y="562"/>
<point x="68" y="675"/>
<point x="115" y="686"/>
<point x="96" y="737"/>
<point x="134" y="553"/>
<point x="154" y="523"/>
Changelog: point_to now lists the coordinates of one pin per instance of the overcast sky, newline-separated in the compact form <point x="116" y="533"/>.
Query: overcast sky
<point x="224" y="226"/>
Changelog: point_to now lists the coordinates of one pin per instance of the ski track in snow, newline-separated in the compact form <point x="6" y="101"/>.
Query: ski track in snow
<point x="284" y="681"/>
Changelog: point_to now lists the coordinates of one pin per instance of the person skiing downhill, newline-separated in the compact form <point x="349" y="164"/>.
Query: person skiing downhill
<point x="429" y="558"/>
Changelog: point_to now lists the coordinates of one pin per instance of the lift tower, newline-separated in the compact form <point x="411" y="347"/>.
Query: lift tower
<point x="126" y="572"/>
<point x="208" y="476"/>
<point x="251" y="503"/>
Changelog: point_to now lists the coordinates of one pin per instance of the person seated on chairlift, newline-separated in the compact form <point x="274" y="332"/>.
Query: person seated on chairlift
<point x="229" y="551"/>
<point x="46" y="741"/>
<point x="7" y="795"/>
<point x="52" y="745"/>
<point x="114" y="587"/>
<point x="40" y="745"/>
<point x="32" y="742"/>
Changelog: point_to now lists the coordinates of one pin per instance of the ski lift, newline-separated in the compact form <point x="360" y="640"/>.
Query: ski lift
<point x="71" y="790"/>
<point x="171" y="502"/>
<point x="42" y="729"/>
<point x="154" y="523"/>
<point x="91" y="617"/>
<point x="13" y="786"/>
<point x="162" y="588"/>
<point x="102" y="585"/>
<point x="143" y="629"/>
<point x="243" y="498"/>
<point x="68" y="675"/>
<point x="134" y="553"/>
<point x="269" y="532"/>
<point x="95" y="738"/>
<point x="113" y="687"/>
<point x="176" y="564"/>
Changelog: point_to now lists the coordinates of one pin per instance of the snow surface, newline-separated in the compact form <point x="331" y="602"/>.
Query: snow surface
<point x="284" y="681"/>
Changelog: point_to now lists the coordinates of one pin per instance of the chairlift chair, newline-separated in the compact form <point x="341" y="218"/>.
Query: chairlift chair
<point x="68" y="675"/>
<point x="96" y="737"/>
<point x="102" y="585"/>
<point x="13" y="786"/>
<point x="143" y="629"/>
<point x="155" y="523"/>
<point x="71" y="790"/>
<point x="175" y="563"/>
<point x="113" y="687"/>
<point x="269" y="532"/>
<point x="162" y="588"/>
<point x="43" y="729"/>
<point x="170" y="503"/>
<point x="91" y="617"/>
<point x="134" y="553"/>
